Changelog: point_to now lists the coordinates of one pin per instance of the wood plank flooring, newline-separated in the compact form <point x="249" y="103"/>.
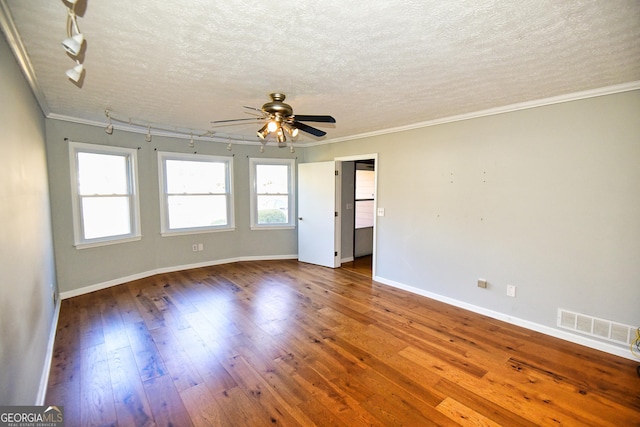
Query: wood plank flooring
<point x="292" y="344"/>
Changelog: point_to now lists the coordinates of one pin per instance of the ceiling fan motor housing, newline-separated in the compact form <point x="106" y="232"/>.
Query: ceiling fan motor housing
<point x="277" y="106"/>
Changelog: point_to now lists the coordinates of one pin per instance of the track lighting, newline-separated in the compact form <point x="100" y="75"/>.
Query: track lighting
<point x="76" y="72"/>
<point x="109" y="129"/>
<point x="73" y="43"/>
<point x="188" y="134"/>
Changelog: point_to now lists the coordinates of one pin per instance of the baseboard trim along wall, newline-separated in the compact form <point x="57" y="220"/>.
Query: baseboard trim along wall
<point x="121" y="280"/>
<point x="48" y="358"/>
<point x="576" y="339"/>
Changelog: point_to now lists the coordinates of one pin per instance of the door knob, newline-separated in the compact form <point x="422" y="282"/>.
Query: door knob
<point x="300" y="218"/>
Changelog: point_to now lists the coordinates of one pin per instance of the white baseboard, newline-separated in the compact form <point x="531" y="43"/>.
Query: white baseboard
<point x="137" y="276"/>
<point x="556" y="333"/>
<point x="347" y="259"/>
<point x="547" y="330"/>
<point x="46" y="369"/>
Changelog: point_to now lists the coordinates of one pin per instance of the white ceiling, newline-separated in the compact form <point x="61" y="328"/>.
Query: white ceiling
<point x="374" y="65"/>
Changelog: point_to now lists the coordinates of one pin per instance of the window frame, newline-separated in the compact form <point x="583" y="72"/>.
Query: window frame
<point x="131" y="155"/>
<point x="253" y="204"/>
<point x="165" y="231"/>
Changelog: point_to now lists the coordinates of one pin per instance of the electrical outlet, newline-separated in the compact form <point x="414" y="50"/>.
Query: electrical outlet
<point x="201" y="246"/>
<point x="482" y="283"/>
<point x="194" y="247"/>
<point x="511" y="291"/>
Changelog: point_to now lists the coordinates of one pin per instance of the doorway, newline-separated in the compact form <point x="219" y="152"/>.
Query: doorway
<point x="358" y="205"/>
<point x="324" y="213"/>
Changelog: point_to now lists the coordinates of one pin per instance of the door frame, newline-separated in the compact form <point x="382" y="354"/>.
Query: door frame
<point x="339" y="160"/>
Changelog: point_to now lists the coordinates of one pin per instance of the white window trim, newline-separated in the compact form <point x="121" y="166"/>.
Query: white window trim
<point x="164" y="222"/>
<point x="132" y="154"/>
<point x="253" y="162"/>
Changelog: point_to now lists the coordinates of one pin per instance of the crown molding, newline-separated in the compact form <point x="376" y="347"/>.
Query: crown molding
<point x="13" y="38"/>
<point x="607" y="90"/>
<point x="592" y="93"/>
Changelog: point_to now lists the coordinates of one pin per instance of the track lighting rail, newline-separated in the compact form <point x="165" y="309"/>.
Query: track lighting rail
<point x="150" y="129"/>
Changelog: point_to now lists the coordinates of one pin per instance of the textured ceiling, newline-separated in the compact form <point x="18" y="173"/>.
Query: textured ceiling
<point x="373" y="66"/>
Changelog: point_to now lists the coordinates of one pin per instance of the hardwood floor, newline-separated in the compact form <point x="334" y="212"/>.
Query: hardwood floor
<point x="286" y="343"/>
<point x="360" y="265"/>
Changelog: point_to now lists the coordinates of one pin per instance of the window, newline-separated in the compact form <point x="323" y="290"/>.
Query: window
<point x="365" y="196"/>
<point x="104" y="194"/>
<point x="195" y="193"/>
<point x="272" y="193"/>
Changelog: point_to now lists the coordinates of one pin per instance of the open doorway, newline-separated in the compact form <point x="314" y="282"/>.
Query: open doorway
<point x="358" y="205"/>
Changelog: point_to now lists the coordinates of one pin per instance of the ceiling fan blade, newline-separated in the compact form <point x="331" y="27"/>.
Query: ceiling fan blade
<point x="323" y="119"/>
<point x="252" y="108"/>
<point x="237" y="120"/>
<point x="308" y="129"/>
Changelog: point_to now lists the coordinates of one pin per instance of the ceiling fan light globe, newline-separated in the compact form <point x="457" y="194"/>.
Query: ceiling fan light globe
<point x="272" y="126"/>
<point x="73" y="44"/>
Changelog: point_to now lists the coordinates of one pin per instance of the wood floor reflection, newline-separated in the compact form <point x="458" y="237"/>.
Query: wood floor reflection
<point x="287" y="343"/>
<point x="361" y="265"/>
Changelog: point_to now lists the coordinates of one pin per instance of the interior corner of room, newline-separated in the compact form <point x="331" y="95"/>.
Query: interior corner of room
<point x="528" y="215"/>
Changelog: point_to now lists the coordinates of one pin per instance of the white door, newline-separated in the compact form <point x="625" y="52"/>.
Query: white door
<point x="316" y="214"/>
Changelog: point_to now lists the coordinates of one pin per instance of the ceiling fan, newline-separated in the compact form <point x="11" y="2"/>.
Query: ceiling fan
<point x="280" y="120"/>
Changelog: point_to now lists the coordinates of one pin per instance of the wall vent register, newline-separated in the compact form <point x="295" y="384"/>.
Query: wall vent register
<point x="605" y="329"/>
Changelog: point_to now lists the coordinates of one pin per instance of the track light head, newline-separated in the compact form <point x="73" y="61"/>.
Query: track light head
<point x="109" y="129"/>
<point x="75" y="73"/>
<point x="73" y="44"/>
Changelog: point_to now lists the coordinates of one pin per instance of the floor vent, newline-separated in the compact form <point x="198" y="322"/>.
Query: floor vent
<point x="595" y="327"/>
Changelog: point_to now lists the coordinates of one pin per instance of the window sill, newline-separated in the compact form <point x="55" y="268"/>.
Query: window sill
<point x="107" y="242"/>
<point x="272" y="227"/>
<point x="198" y="231"/>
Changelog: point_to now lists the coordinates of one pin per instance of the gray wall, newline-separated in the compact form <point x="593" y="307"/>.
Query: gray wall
<point x="547" y="199"/>
<point x="347" y="223"/>
<point x="26" y="249"/>
<point x="78" y="269"/>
